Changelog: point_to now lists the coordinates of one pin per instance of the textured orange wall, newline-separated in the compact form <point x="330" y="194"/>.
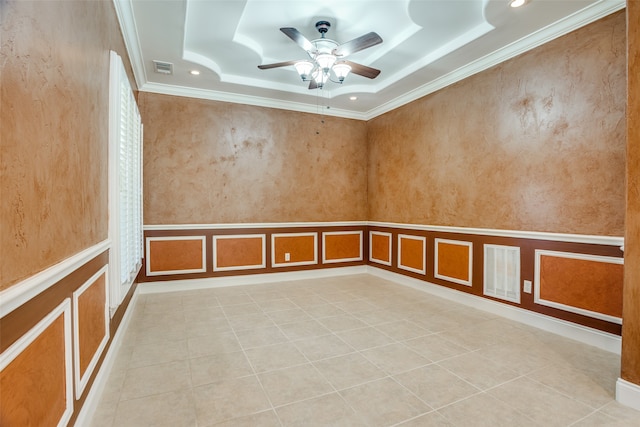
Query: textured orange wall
<point x="216" y="162"/>
<point x="631" y="294"/>
<point x="536" y="143"/>
<point x="54" y="103"/>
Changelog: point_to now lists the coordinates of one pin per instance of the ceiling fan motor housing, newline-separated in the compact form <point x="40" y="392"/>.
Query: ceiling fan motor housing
<point x="323" y="27"/>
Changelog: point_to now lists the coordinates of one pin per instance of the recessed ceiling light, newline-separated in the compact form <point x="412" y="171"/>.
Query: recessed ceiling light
<point x="353" y="98"/>
<point x="517" y="3"/>
<point x="194" y="72"/>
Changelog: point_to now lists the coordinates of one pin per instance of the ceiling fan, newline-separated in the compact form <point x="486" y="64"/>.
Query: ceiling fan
<point x="327" y="55"/>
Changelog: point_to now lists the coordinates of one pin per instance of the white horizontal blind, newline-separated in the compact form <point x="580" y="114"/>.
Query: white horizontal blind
<point x="502" y="272"/>
<point x="125" y="181"/>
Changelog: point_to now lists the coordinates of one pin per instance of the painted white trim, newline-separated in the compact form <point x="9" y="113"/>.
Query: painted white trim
<point x="258" y="101"/>
<point x="95" y="392"/>
<point x="124" y="12"/>
<point x="163" y="227"/>
<point x="424" y="253"/>
<point x="557" y="254"/>
<point x="517" y="234"/>
<point x="628" y="394"/>
<point x="82" y="380"/>
<point x="251" y="279"/>
<point x="23" y="342"/>
<point x="469" y="246"/>
<point x="536" y="235"/>
<point x="380" y="261"/>
<point x="287" y="263"/>
<point x="340" y="233"/>
<point x="517" y="299"/>
<point x="18" y="294"/>
<point x="263" y="237"/>
<point x="150" y="239"/>
<point x="590" y="336"/>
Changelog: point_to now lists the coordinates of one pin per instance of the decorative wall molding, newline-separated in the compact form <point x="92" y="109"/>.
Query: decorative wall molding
<point x="83" y="378"/>
<point x="436" y="266"/>
<point x="389" y="236"/>
<point x="275" y="236"/>
<point x="148" y="266"/>
<point x="325" y="260"/>
<point x="590" y="336"/>
<point x="424" y="253"/>
<point x="518" y="234"/>
<point x="536" y="284"/>
<point x="232" y="226"/>
<point x="535" y="235"/>
<point x="263" y="263"/>
<point x="28" y="338"/>
<point x="20" y="293"/>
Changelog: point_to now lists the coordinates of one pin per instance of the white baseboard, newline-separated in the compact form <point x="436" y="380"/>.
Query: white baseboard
<point x="628" y="394"/>
<point x="590" y="336"/>
<point x="249" y="279"/>
<point x="95" y="393"/>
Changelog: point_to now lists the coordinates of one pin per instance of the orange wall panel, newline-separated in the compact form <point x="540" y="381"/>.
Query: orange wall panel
<point x="175" y="255"/>
<point x="453" y="260"/>
<point x="380" y="247"/>
<point x="33" y="385"/>
<point x="342" y="246"/>
<point x="589" y="285"/>
<point x="300" y="248"/>
<point x="411" y="253"/>
<point x="239" y="252"/>
<point x="91" y="320"/>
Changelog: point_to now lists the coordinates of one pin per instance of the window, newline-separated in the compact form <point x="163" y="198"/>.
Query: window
<point x="125" y="183"/>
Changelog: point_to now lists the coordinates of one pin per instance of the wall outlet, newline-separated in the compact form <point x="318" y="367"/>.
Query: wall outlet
<point x="527" y="286"/>
<point x="287" y="256"/>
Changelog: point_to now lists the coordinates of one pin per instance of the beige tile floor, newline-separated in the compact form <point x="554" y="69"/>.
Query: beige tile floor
<point x="348" y="351"/>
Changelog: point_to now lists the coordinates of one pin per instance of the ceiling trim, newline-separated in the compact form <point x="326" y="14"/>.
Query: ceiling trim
<point x="258" y="101"/>
<point x="579" y="19"/>
<point x="124" y="12"/>
<point x="544" y="35"/>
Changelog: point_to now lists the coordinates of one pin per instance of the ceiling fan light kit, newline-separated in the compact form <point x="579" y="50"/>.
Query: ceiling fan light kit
<point x="326" y="57"/>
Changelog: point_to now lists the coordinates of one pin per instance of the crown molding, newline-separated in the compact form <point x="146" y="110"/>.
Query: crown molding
<point x="124" y="12"/>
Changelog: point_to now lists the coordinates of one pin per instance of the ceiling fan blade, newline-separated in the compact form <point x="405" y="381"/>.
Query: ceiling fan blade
<point x="363" y="70"/>
<point x="297" y="37"/>
<point x="276" y="65"/>
<point x="313" y="85"/>
<point x="356" y="45"/>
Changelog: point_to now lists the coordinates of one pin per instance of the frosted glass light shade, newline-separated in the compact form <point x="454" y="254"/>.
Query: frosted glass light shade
<point x="325" y="61"/>
<point x="341" y="70"/>
<point x="304" y="68"/>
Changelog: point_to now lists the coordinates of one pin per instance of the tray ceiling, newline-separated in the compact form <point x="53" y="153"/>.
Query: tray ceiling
<point x="428" y="44"/>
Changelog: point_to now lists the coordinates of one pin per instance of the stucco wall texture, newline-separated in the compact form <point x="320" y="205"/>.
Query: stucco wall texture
<point x="214" y="162"/>
<point x="536" y="143"/>
<point x="54" y="134"/>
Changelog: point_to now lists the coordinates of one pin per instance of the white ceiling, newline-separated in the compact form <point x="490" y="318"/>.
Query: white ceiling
<point x="427" y="44"/>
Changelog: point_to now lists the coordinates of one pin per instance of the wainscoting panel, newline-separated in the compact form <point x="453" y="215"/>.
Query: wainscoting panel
<point x="239" y="252"/>
<point x="453" y="261"/>
<point x="168" y="255"/>
<point x="341" y="246"/>
<point x="36" y="376"/>
<point x="90" y="327"/>
<point x="291" y="249"/>
<point x="584" y="284"/>
<point x="412" y="251"/>
<point x="380" y="249"/>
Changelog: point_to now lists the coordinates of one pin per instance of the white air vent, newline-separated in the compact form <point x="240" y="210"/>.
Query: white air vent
<point x="502" y="272"/>
<point x="162" y="67"/>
